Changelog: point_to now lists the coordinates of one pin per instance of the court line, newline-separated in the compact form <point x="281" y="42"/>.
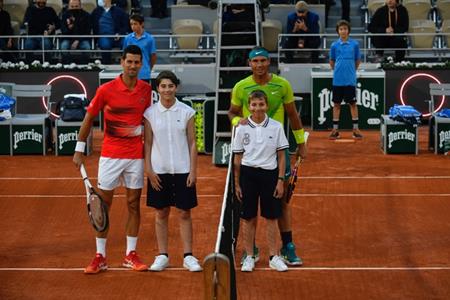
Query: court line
<point x="77" y="178"/>
<point x="426" y="268"/>
<point x="84" y="195"/>
<point x="215" y="177"/>
<point x="218" y="195"/>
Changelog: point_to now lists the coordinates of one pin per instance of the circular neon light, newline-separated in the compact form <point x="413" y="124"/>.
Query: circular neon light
<point x="61" y="77"/>
<point x="421" y="75"/>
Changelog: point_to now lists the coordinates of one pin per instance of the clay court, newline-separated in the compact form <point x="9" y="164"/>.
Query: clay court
<point x="367" y="225"/>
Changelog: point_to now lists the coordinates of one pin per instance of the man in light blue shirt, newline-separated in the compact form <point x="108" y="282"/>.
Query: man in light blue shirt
<point x="345" y="58"/>
<point x="146" y="42"/>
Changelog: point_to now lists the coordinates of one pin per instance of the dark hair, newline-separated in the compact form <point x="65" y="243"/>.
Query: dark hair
<point x="257" y="94"/>
<point x="132" y="49"/>
<point x="137" y="18"/>
<point x="167" y="75"/>
<point x="343" y="23"/>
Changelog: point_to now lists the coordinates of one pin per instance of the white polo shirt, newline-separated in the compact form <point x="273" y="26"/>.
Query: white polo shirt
<point x="259" y="143"/>
<point x="170" y="150"/>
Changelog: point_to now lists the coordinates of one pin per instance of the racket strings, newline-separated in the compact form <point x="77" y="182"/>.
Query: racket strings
<point x="97" y="211"/>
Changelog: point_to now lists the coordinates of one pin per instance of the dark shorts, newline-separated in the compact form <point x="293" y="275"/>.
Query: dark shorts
<point x="344" y="93"/>
<point x="174" y="192"/>
<point x="259" y="184"/>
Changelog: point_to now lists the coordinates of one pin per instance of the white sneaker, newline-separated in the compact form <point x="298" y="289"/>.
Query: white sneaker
<point x="278" y="264"/>
<point x="161" y="262"/>
<point x="249" y="264"/>
<point x="191" y="263"/>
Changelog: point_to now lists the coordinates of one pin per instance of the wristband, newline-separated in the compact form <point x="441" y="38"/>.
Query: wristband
<point x="80" y="147"/>
<point x="281" y="178"/>
<point x="299" y="136"/>
<point x="235" y="120"/>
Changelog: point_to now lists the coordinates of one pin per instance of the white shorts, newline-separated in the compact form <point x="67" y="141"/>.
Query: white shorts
<point x="113" y="172"/>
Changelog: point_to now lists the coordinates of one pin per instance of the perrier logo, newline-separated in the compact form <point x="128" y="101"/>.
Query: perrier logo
<point x="400" y="135"/>
<point x="20" y="136"/>
<point x="364" y="98"/>
<point x="226" y="151"/>
<point x="67" y="137"/>
<point x="443" y="137"/>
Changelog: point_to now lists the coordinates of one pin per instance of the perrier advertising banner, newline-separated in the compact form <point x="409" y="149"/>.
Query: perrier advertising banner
<point x="369" y="98"/>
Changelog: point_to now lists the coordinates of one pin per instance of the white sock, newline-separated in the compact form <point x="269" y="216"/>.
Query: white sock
<point x="131" y="244"/>
<point x="101" y="246"/>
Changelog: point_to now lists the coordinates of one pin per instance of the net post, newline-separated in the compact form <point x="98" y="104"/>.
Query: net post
<point x="216" y="275"/>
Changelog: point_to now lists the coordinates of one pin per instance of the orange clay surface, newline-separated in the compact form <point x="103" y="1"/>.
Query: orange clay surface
<point x="367" y="225"/>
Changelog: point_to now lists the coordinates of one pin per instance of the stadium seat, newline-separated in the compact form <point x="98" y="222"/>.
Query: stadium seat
<point x="89" y="5"/>
<point x="16" y="9"/>
<point x="445" y="29"/>
<point x="57" y="5"/>
<point x="373" y="5"/>
<point x="187" y="26"/>
<point x="422" y="26"/>
<point x="417" y="9"/>
<point x="443" y="7"/>
<point x="271" y="29"/>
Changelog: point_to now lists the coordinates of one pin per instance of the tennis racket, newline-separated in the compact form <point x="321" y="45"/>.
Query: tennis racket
<point x="97" y="208"/>
<point x="294" y="175"/>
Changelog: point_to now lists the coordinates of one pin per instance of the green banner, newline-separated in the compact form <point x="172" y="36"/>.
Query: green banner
<point x="5" y="133"/>
<point x="28" y="139"/>
<point x="369" y="98"/>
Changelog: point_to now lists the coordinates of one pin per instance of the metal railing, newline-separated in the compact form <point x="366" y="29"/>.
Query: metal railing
<point x="439" y="49"/>
<point x="168" y="46"/>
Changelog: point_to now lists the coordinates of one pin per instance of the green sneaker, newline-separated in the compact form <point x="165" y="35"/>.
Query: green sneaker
<point x="289" y="256"/>
<point x="255" y="252"/>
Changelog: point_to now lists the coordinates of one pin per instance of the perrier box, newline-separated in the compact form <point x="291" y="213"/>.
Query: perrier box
<point x="439" y="140"/>
<point x="398" y="137"/>
<point x="67" y="136"/>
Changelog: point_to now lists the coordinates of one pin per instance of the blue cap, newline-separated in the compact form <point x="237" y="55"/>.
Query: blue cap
<point x="258" y="52"/>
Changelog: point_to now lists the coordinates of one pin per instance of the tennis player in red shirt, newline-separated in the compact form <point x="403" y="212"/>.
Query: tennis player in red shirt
<point x="123" y="102"/>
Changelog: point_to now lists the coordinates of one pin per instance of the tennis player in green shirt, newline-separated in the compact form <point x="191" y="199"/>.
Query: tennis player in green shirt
<point x="281" y="100"/>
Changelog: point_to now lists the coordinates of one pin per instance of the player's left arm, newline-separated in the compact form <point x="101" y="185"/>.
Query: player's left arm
<point x="192" y="152"/>
<point x="297" y="128"/>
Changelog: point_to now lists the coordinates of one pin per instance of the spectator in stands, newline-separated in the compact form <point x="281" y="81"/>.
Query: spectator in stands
<point x="5" y="29"/>
<point x="146" y="42"/>
<point x="302" y="22"/>
<point x="159" y="9"/>
<point x="109" y="20"/>
<point x="75" y="21"/>
<point x="40" y="20"/>
<point x="390" y="19"/>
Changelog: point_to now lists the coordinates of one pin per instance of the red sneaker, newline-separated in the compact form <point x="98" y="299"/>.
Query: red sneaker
<point x="132" y="261"/>
<point x="98" y="264"/>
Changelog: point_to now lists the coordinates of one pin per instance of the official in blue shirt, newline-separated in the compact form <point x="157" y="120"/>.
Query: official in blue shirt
<point x="304" y="23"/>
<point x="345" y="58"/>
<point x="146" y="42"/>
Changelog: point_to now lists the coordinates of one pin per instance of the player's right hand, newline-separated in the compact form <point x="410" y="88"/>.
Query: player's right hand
<point x="155" y="181"/>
